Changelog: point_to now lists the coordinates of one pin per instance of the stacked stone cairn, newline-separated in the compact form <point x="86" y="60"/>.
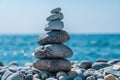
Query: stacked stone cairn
<point x="52" y="53"/>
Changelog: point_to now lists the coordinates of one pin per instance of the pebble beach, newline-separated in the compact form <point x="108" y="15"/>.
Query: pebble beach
<point x="52" y="59"/>
<point x="83" y="70"/>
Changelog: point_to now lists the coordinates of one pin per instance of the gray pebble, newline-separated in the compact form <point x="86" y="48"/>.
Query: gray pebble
<point x="99" y="65"/>
<point x="54" y="37"/>
<point x="77" y="78"/>
<point x="54" y="25"/>
<point x="16" y="76"/>
<point x="113" y="61"/>
<point x="29" y="77"/>
<point x="13" y="63"/>
<point x="57" y="16"/>
<point x="101" y="60"/>
<point x="60" y="73"/>
<point x="36" y="76"/>
<point x="52" y="65"/>
<point x="56" y="10"/>
<point x="53" y="51"/>
<point x="6" y="74"/>
<point x="85" y="64"/>
<point x="65" y="78"/>
<point x="89" y="72"/>
<point x="44" y="76"/>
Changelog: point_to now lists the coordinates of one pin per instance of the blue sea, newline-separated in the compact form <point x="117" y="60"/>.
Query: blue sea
<point x="85" y="47"/>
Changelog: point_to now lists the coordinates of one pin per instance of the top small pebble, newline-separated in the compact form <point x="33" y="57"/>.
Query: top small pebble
<point x="56" y="10"/>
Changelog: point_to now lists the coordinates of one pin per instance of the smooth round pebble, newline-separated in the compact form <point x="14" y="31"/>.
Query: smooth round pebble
<point x="29" y="77"/>
<point x="57" y="16"/>
<point x="54" y="37"/>
<point x="89" y="72"/>
<point x="64" y="78"/>
<point x="77" y="78"/>
<point x="16" y="76"/>
<point x="52" y="65"/>
<point x="113" y="61"/>
<point x="99" y="65"/>
<point x="44" y="76"/>
<point x="54" y="25"/>
<point x="101" y="60"/>
<point x="60" y="73"/>
<point x="56" y="10"/>
<point x="36" y="76"/>
<point x="53" y="51"/>
<point x="6" y="74"/>
<point x="85" y="64"/>
<point x="110" y="77"/>
<point x="13" y="63"/>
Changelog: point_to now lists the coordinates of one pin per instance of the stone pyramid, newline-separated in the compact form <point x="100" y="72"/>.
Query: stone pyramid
<point x="52" y="53"/>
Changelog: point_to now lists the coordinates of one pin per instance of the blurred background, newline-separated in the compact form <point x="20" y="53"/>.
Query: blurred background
<point x="94" y="27"/>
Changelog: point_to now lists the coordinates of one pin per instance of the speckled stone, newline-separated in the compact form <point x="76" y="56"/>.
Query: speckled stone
<point x="52" y="65"/>
<point x="53" y="51"/>
<point x="110" y="77"/>
<point x="57" y="16"/>
<point x="54" y="25"/>
<point x="56" y="10"/>
<point x="52" y="37"/>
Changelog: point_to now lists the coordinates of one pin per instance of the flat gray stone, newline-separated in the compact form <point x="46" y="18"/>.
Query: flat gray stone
<point x="85" y="64"/>
<point x="56" y="10"/>
<point x="113" y="61"/>
<point x="99" y="65"/>
<point x="57" y="16"/>
<point x="53" y="51"/>
<point x="111" y="71"/>
<point x="6" y="74"/>
<point x="54" y="37"/>
<point x="16" y="76"/>
<point x="52" y="65"/>
<point x="54" y="25"/>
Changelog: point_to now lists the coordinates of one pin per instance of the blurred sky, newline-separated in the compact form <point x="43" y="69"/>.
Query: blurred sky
<point x="81" y="16"/>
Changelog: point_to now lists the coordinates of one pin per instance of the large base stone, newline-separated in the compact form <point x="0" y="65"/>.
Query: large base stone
<point x="52" y="65"/>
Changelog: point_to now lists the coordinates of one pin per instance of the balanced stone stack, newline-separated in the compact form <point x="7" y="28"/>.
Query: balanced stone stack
<point x="52" y="53"/>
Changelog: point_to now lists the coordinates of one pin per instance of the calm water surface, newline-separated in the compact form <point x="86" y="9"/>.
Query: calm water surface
<point x="85" y="47"/>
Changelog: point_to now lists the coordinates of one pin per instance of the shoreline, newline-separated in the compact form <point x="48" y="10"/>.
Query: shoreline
<point x="83" y="70"/>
